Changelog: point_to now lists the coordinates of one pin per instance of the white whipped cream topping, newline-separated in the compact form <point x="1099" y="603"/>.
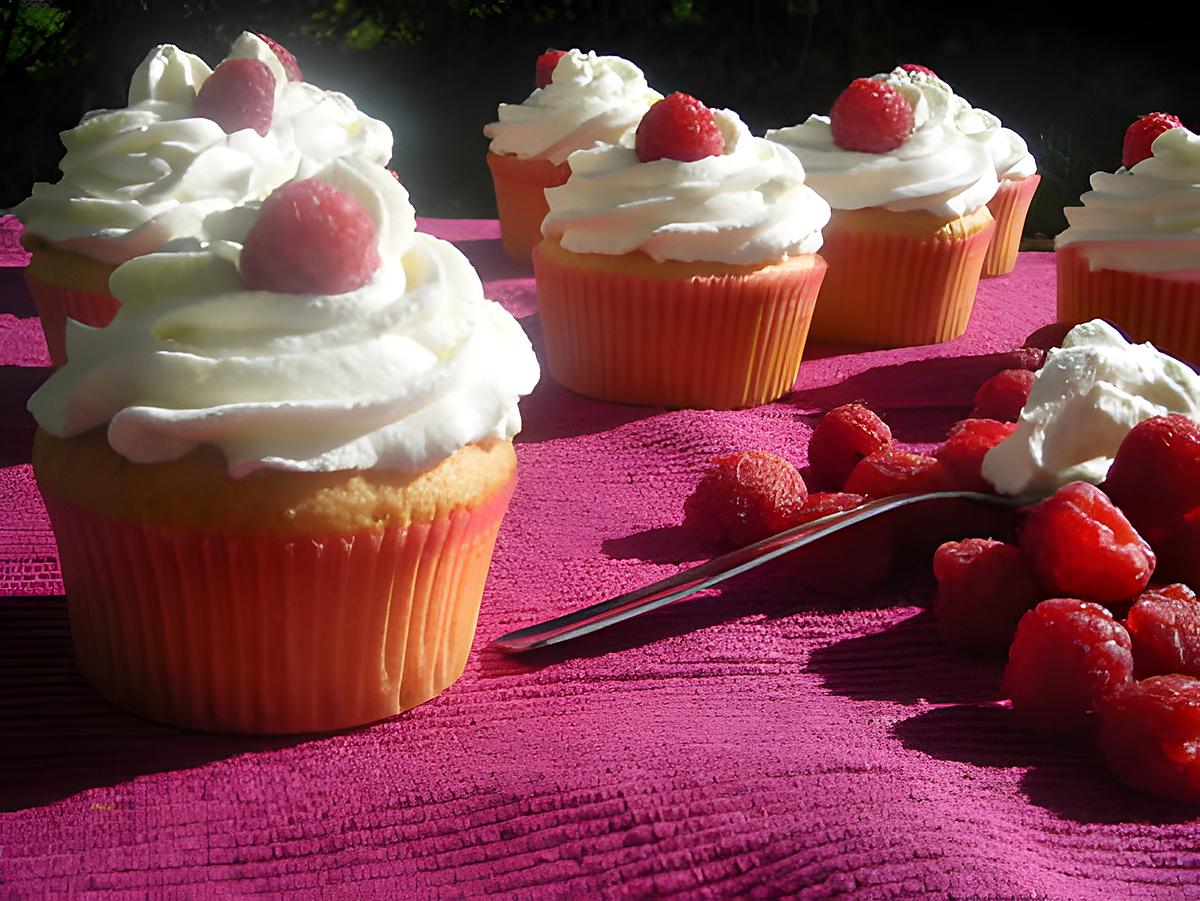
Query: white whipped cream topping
<point x="1144" y="219"/>
<point x="938" y="169"/>
<point x="1084" y="400"/>
<point x="137" y="177"/>
<point x="747" y="205"/>
<point x="397" y="374"/>
<point x="589" y="99"/>
<point x="1008" y="150"/>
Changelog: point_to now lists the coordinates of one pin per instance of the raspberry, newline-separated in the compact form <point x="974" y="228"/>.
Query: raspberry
<point x="962" y="453"/>
<point x="1067" y="654"/>
<point x="915" y="67"/>
<point x="744" y="497"/>
<point x="239" y="94"/>
<point x="1155" y="475"/>
<point x="983" y="588"/>
<point x="544" y="68"/>
<point x="1081" y="546"/>
<point x="310" y="238"/>
<point x="286" y="59"/>
<point x="1149" y="734"/>
<point x="678" y="127"/>
<point x="1003" y="395"/>
<point x="890" y="470"/>
<point x="1164" y="625"/>
<point x="871" y="116"/>
<point x="1049" y="336"/>
<point x="1141" y="134"/>
<point x="853" y="561"/>
<point x="844" y="436"/>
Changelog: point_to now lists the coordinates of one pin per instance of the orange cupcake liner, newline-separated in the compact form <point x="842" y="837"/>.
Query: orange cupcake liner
<point x="898" y="290"/>
<point x="270" y="635"/>
<point x="712" y="342"/>
<point x="1160" y="307"/>
<point x="1008" y="207"/>
<point x="57" y="303"/>
<point x="521" y="199"/>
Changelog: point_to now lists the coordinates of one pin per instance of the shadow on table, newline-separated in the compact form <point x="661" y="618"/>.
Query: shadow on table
<point x="553" y="412"/>
<point x="491" y="262"/>
<point x="1065" y="777"/>
<point x="61" y="738"/>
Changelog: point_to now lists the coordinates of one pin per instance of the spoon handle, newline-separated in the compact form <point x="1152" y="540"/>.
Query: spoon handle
<point x="705" y="575"/>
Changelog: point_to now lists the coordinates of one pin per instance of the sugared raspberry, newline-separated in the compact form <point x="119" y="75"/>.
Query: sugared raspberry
<point x="1155" y="475"/>
<point x="1031" y="358"/>
<point x="1081" y="546"/>
<point x="1049" y="336"/>
<point x="544" y="68"/>
<point x="962" y="453"/>
<point x="891" y="470"/>
<point x="915" y="67"/>
<point x="744" y="497"/>
<point x="310" y="238"/>
<point x="1067" y="654"/>
<point x="1003" y="395"/>
<point x="844" y="436"/>
<point x="852" y="562"/>
<point x="678" y="127"/>
<point x="1149" y="733"/>
<point x="239" y="94"/>
<point x="983" y="588"/>
<point x="871" y="116"/>
<point x="286" y="59"/>
<point x="1141" y="134"/>
<point x="1164" y="625"/>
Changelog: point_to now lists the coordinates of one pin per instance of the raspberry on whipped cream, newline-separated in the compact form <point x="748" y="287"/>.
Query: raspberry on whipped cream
<point x="397" y="373"/>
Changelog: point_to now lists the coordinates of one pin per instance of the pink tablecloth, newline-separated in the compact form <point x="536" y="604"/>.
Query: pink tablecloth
<point x="759" y="741"/>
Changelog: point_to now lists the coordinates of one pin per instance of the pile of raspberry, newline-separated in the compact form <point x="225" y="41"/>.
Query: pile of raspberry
<point x="1089" y="594"/>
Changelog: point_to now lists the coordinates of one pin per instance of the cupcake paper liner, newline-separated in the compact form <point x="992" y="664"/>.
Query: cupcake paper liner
<point x="56" y="303"/>
<point x="1008" y="207"/>
<point x="714" y="342"/>
<point x="897" y="290"/>
<point x="521" y="199"/>
<point x="269" y="635"/>
<point x="1160" y="307"/>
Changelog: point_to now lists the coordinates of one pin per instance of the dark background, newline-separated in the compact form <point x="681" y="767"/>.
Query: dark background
<point x="1068" y="77"/>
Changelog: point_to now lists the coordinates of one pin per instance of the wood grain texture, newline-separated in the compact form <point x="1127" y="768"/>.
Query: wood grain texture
<point x="763" y="740"/>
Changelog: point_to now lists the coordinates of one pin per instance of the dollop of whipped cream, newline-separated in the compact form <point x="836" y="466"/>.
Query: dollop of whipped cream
<point x="1146" y="218"/>
<point x="1084" y="400"/>
<point x="747" y="205"/>
<point x="397" y="374"/>
<point x="135" y="178"/>
<point x="589" y="99"/>
<point x="939" y="169"/>
<point x="1008" y="150"/>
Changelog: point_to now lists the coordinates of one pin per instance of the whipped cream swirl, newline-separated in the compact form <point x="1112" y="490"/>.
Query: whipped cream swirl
<point x="1008" y="150"/>
<point x="747" y="205"/>
<point x="1084" y="401"/>
<point x="938" y="169"/>
<point x="137" y="177"/>
<point x="1143" y="219"/>
<point x="397" y="374"/>
<point x="589" y="99"/>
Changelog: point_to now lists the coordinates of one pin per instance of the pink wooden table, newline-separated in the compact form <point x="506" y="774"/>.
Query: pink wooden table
<point x="764" y="740"/>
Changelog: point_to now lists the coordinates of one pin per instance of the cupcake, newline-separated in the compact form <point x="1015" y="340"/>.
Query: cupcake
<point x="1131" y="253"/>
<point x="1016" y="171"/>
<point x="910" y="224"/>
<point x="192" y="140"/>
<point x="580" y="99"/>
<point x="680" y="267"/>
<point x="277" y="476"/>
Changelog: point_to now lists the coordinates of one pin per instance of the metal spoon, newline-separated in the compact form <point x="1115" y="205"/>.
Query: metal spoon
<point x="697" y="578"/>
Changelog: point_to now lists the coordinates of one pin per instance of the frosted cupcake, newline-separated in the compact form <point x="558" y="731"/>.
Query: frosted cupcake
<point x="680" y="267"/>
<point x="192" y="140"/>
<point x="910" y="224"/>
<point x="277" y="476"/>
<point x="580" y="99"/>
<point x="1131" y="253"/>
